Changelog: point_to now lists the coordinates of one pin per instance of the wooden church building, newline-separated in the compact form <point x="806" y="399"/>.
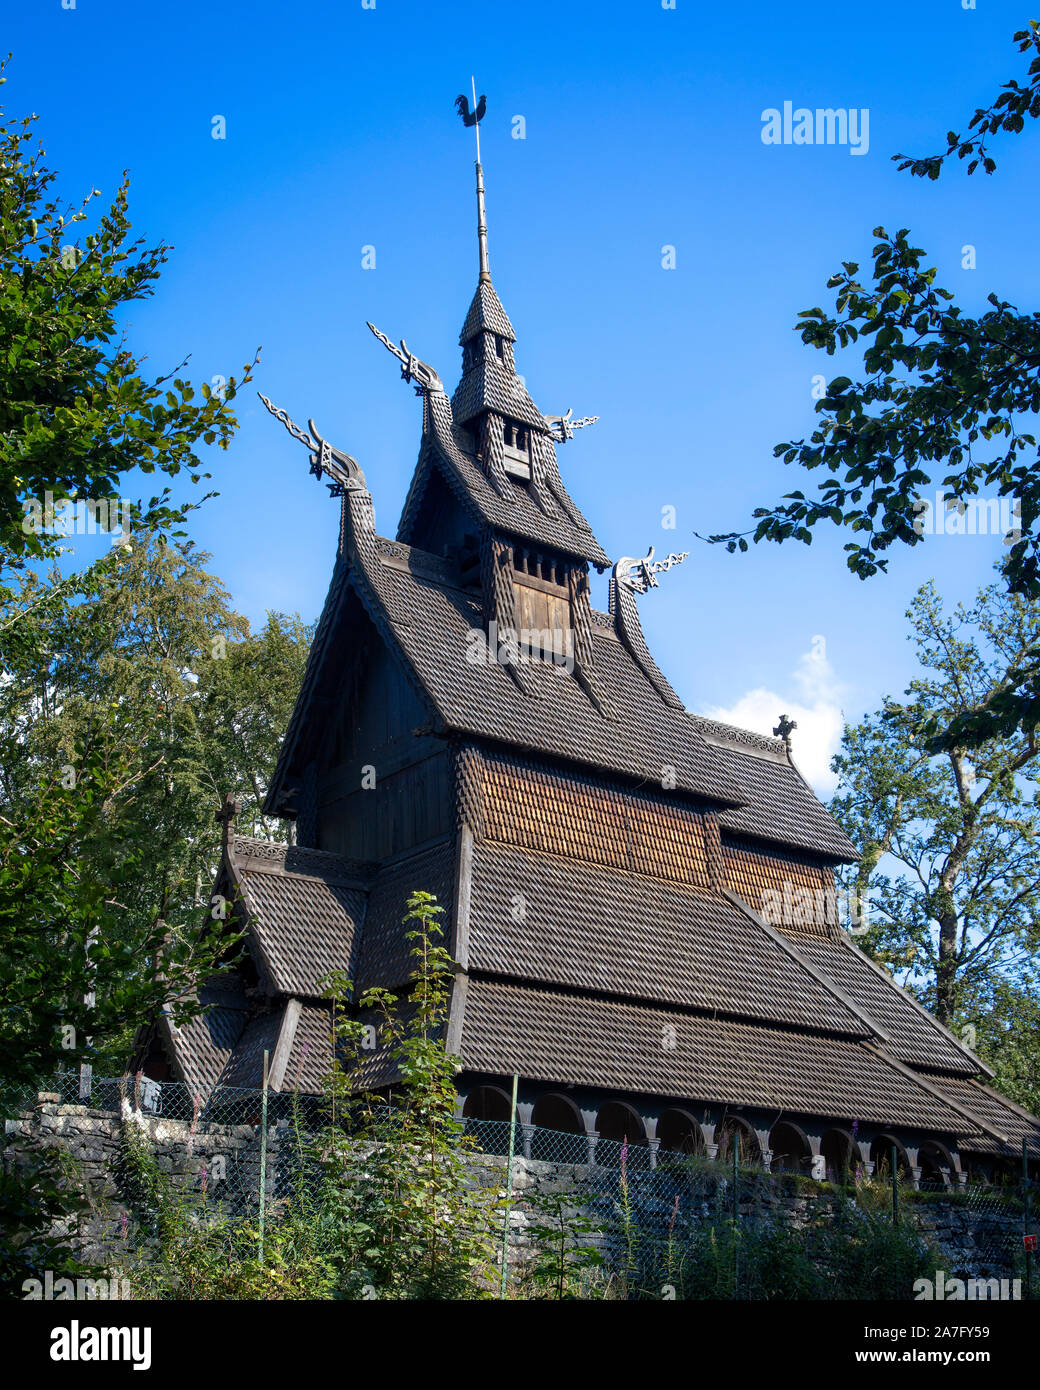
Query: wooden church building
<point x="470" y="725"/>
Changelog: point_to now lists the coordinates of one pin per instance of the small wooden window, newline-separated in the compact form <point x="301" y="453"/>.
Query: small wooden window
<point x="543" y="607"/>
<point x="516" y="439"/>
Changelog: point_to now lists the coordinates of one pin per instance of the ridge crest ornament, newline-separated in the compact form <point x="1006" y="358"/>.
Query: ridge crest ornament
<point x="639" y="575"/>
<point x="784" y="729"/>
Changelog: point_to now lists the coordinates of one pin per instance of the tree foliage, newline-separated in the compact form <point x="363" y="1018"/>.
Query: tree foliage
<point x="124" y="717"/>
<point x="408" y="1218"/>
<point x="949" y="841"/>
<point x="78" y="412"/>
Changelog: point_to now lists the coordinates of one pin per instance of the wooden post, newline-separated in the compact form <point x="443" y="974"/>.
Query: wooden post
<point x="509" y="1185"/>
<point x="895" y="1187"/>
<point x="735" y="1141"/>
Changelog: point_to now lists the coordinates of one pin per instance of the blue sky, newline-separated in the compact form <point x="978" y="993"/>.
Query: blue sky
<point x="643" y="129"/>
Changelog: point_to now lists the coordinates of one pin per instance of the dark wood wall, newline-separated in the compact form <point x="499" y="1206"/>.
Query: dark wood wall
<point x="410" y="801"/>
<point x="441" y="525"/>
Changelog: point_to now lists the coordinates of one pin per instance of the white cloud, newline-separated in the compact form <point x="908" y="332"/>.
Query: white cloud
<point x="812" y="699"/>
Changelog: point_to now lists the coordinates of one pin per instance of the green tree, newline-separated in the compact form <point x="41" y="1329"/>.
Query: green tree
<point x="87" y="892"/>
<point x="75" y="965"/>
<point x="124" y="718"/>
<point x="245" y="697"/>
<point x="949" y="840"/>
<point x="1004" y="1016"/>
<point x="77" y="412"/>
<point x="564" y="1260"/>
<point x="408" y="1218"/>
<point x="939" y="400"/>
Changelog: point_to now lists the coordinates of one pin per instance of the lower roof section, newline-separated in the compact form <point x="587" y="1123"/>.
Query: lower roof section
<point x="201" y="1049"/>
<point x="914" y="1036"/>
<point x="225" y="1045"/>
<point x="1014" y="1123"/>
<point x="559" y="1038"/>
<point x="304" y="907"/>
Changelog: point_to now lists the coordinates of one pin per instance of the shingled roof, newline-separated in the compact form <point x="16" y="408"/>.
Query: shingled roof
<point x="915" y="1036"/>
<point x="486" y="315"/>
<point x="304" y="908"/>
<point x="430" y="623"/>
<point x="1012" y="1123"/>
<point x="202" y="1048"/>
<point x="779" y="805"/>
<point x="593" y="928"/>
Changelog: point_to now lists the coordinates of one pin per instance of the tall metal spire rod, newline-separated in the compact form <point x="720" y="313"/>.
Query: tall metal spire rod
<point x="474" y="119"/>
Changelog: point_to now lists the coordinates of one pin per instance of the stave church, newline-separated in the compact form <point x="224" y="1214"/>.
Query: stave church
<point x="640" y="901"/>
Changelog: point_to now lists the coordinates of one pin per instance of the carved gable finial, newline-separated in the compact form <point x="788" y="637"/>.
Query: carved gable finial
<point x="562" y="427"/>
<point x="225" y="818"/>
<point x="421" y="373"/>
<point x="344" y="470"/>
<point x="639" y="575"/>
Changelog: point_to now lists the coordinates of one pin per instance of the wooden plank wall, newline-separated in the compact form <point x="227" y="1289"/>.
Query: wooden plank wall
<point x="409" y="802"/>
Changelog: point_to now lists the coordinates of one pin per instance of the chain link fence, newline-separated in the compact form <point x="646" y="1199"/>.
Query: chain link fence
<point x="660" y="1223"/>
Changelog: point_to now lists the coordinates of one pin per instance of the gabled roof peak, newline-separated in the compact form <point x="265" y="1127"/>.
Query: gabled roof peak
<point x="486" y="315"/>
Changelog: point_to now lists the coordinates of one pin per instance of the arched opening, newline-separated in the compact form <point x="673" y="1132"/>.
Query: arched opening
<point x="485" y="1114"/>
<point x="618" y="1121"/>
<point x="932" y="1158"/>
<point x="616" y="1124"/>
<point x="553" y="1116"/>
<point x="841" y="1155"/>
<point x="881" y="1157"/>
<point x="792" y="1152"/>
<point x="486" y="1103"/>
<point x="680" y="1133"/>
<point x="749" y="1152"/>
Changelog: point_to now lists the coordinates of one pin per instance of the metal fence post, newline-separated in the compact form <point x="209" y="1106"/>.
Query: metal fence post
<point x="1025" y="1215"/>
<point x="509" y="1185"/>
<point x="86" y="1070"/>
<point x="736" y="1211"/>
<point x="263" y="1155"/>
<point x="736" y="1174"/>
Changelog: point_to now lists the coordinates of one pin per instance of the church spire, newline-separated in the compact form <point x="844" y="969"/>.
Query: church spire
<point x="489" y="380"/>
<point x="474" y="119"/>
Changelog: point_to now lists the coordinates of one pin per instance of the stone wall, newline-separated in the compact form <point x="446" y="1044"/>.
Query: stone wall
<point x="976" y="1237"/>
